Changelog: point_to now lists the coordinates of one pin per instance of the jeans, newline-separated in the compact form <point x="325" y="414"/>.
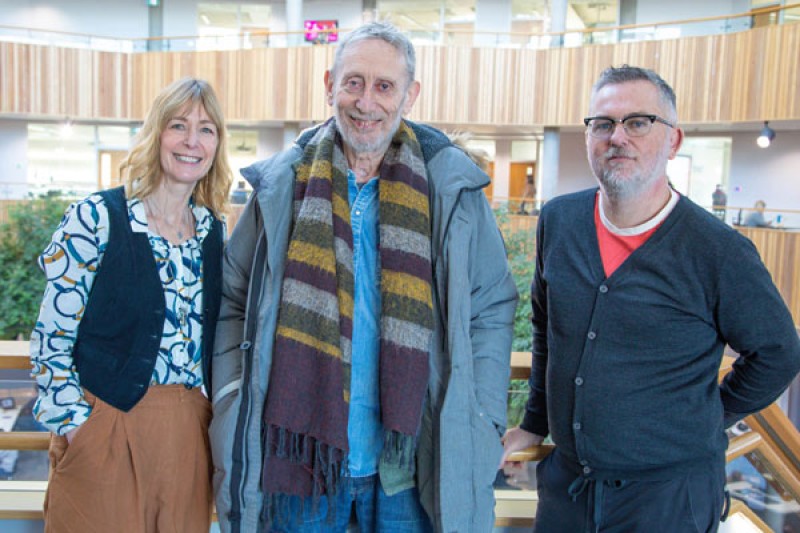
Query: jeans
<point x="375" y="511"/>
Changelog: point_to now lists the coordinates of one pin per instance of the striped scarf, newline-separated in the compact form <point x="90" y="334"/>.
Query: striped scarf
<point x="306" y="410"/>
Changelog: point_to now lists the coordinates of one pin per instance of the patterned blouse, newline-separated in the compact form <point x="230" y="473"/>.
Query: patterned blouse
<point x="70" y="263"/>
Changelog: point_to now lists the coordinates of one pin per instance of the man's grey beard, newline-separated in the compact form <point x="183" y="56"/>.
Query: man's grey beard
<point x="623" y="189"/>
<point x="379" y="145"/>
<point x="616" y="189"/>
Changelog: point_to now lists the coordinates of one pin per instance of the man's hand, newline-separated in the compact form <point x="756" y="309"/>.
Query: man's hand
<point x="517" y="439"/>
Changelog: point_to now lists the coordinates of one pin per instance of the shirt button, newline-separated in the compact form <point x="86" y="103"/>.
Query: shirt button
<point x="592" y="335"/>
<point x="578" y="381"/>
<point x="603" y="289"/>
<point x="576" y="426"/>
<point x="358" y="212"/>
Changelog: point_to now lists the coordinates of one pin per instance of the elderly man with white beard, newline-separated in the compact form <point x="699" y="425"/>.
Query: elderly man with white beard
<point x="362" y="354"/>
<point x="637" y="291"/>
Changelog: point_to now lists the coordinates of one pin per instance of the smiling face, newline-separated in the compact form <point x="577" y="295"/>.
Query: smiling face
<point x="370" y="92"/>
<point x="188" y="146"/>
<point x="627" y="166"/>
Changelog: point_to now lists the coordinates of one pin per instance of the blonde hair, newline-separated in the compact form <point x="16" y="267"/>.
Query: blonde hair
<point x="141" y="169"/>
<point x="479" y="156"/>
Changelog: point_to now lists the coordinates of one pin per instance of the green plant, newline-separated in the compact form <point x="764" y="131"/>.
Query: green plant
<point x="22" y="239"/>
<point x="520" y="246"/>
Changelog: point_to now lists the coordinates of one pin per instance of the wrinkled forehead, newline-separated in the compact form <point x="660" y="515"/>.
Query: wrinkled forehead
<point x="374" y="57"/>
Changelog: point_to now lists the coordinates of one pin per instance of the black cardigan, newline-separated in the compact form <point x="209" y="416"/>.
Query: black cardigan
<point x="625" y="368"/>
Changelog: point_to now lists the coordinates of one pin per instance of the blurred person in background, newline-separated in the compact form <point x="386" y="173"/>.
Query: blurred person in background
<point x="755" y="218"/>
<point x="719" y="200"/>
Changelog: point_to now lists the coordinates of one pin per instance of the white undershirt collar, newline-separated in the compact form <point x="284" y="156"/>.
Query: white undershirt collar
<point x="645" y="226"/>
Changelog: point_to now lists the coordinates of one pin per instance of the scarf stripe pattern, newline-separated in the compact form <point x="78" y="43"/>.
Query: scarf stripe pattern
<point x="306" y="409"/>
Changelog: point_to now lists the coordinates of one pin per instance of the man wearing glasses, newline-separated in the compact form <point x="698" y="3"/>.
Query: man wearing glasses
<point x="636" y="293"/>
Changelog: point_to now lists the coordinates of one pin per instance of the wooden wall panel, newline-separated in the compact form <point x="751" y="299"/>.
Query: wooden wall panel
<point x="780" y="251"/>
<point x="747" y="76"/>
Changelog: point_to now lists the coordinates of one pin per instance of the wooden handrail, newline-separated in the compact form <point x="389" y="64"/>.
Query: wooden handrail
<point x="15" y="355"/>
<point x="739" y="507"/>
<point x="773" y="422"/>
<point x="25" y="440"/>
<point x="743" y="444"/>
<point x="534" y="453"/>
<point x="18" y="501"/>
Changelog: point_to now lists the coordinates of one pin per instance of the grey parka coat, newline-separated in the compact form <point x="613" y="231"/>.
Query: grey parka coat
<point x="475" y="298"/>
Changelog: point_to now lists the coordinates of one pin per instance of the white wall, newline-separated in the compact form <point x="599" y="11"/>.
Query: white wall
<point x="492" y="16"/>
<point x="13" y="159"/>
<point x="574" y="173"/>
<point x="770" y="174"/>
<point x="348" y="13"/>
<point x="180" y="16"/>
<point x="118" y="18"/>
<point x="655" y="11"/>
<point x="270" y="142"/>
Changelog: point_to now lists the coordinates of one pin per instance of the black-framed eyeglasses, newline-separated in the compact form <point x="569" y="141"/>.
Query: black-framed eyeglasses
<point x="634" y="125"/>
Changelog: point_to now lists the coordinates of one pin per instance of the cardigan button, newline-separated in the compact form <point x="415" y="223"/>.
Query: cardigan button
<point x="603" y="289"/>
<point x="592" y="335"/>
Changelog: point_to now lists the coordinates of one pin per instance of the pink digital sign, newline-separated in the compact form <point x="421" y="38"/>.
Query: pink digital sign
<point x="322" y="31"/>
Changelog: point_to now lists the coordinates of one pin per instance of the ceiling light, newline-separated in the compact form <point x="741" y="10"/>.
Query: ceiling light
<point x="766" y="136"/>
<point x="66" y="129"/>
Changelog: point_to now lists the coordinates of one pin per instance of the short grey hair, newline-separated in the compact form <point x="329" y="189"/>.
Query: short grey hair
<point x="627" y="73"/>
<point x="383" y="31"/>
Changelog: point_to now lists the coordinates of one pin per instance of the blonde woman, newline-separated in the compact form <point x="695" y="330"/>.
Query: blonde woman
<point x="121" y="350"/>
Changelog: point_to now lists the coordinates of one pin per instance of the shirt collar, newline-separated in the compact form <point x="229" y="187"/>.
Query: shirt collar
<point x="138" y="219"/>
<point x="641" y="228"/>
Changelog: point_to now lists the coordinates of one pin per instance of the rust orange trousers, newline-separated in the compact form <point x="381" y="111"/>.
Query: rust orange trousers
<point x="144" y="471"/>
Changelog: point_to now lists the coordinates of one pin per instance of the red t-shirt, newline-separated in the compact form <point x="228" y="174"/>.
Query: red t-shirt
<point x="615" y="249"/>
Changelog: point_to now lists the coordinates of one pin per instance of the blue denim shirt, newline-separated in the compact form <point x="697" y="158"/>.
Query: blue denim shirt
<point x="364" y="429"/>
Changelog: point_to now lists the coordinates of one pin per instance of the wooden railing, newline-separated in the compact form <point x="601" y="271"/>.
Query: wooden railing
<point x="23" y="500"/>
<point x="773" y="437"/>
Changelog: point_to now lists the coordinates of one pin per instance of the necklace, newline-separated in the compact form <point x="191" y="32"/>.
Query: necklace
<point x="153" y="218"/>
<point x="182" y="304"/>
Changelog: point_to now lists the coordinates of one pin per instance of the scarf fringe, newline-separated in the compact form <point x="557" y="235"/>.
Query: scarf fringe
<point x="399" y="450"/>
<point x="324" y="463"/>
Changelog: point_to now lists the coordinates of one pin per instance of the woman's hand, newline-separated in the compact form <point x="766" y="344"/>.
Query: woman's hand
<point x="71" y="434"/>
